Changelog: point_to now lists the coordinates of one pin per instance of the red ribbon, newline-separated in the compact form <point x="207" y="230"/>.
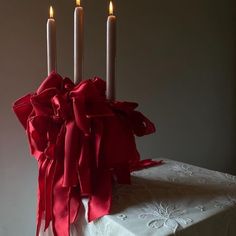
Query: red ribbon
<point x="82" y="142"/>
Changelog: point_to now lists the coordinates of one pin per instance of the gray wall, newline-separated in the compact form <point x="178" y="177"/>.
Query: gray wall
<point x="176" y="58"/>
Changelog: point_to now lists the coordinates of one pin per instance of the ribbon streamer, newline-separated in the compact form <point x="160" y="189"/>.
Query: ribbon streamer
<point x="82" y="143"/>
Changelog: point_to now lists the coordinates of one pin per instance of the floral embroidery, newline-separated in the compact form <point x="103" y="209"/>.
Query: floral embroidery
<point x="122" y="217"/>
<point x="231" y="179"/>
<point x="226" y="202"/>
<point x="182" y="170"/>
<point x="200" y="207"/>
<point x="169" y="217"/>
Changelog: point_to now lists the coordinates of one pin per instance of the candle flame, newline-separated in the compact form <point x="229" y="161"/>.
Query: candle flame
<point x="111" y="8"/>
<point x="77" y="2"/>
<point x="51" y="12"/>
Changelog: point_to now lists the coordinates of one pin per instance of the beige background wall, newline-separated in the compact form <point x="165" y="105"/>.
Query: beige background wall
<point x="176" y="58"/>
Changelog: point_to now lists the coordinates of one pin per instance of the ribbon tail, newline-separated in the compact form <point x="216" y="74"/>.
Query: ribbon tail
<point x="43" y="163"/>
<point x="99" y="131"/>
<point x="147" y="163"/>
<point x="85" y="167"/>
<point x="48" y="193"/>
<point x="61" y="201"/>
<point x="75" y="203"/>
<point x="72" y="149"/>
<point x="100" y="202"/>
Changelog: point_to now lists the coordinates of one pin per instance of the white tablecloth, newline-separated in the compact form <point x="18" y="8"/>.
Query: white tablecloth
<point x="174" y="198"/>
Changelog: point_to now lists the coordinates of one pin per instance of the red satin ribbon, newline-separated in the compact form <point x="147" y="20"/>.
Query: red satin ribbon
<point x="82" y="143"/>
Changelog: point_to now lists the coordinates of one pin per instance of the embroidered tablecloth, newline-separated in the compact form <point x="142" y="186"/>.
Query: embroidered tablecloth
<point x="172" y="199"/>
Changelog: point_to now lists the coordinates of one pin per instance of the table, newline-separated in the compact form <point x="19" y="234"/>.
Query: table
<point x="172" y="199"/>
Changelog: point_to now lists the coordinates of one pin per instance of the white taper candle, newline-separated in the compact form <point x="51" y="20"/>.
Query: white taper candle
<point x="51" y="42"/>
<point x="111" y="54"/>
<point x="78" y="42"/>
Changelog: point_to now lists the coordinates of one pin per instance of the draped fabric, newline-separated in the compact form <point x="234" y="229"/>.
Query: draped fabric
<point x="83" y="143"/>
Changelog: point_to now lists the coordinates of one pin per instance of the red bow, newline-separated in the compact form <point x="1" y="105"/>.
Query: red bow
<point x="82" y="142"/>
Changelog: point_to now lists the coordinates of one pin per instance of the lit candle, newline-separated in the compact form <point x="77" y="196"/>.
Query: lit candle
<point x="78" y="42"/>
<point x="111" y="53"/>
<point x="51" y="42"/>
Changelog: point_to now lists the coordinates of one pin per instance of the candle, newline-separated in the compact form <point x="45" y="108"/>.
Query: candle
<point x="111" y="53"/>
<point x="78" y="42"/>
<point x="51" y="42"/>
